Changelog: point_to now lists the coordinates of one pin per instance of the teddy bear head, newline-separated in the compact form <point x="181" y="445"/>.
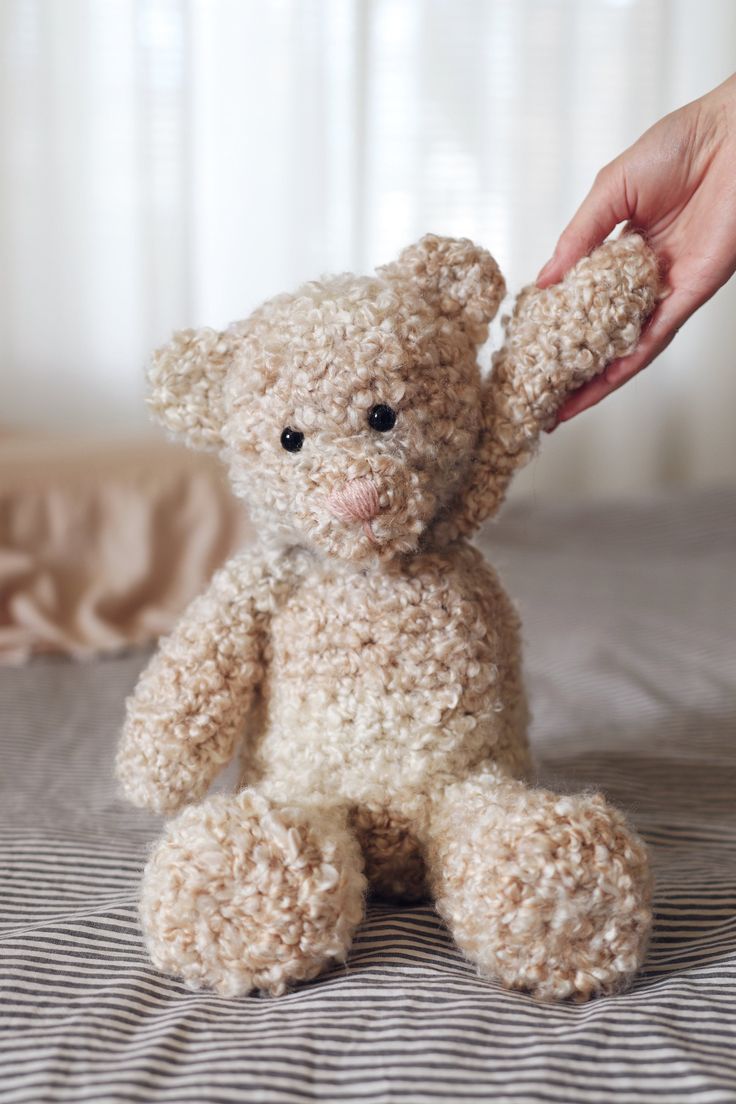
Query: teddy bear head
<point x="347" y="413"/>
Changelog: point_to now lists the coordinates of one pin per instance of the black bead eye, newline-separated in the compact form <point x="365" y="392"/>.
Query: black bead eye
<point x="382" y="418"/>
<point x="291" y="439"/>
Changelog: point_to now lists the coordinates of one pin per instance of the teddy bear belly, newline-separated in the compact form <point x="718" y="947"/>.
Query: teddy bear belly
<point x="368" y="741"/>
<point x="377" y="686"/>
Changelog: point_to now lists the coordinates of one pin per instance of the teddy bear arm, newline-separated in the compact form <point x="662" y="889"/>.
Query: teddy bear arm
<point x="556" y="340"/>
<point x="560" y="337"/>
<point x="186" y="714"/>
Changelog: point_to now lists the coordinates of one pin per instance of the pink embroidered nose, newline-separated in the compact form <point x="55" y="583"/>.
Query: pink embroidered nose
<point x="355" y="501"/>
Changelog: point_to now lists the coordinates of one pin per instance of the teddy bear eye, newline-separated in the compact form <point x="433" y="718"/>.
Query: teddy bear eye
<point x="382" y="418"/>
<point x="291" y="439"/>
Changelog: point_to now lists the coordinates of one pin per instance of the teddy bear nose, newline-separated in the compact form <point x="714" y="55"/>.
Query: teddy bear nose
<point x="356" y="500"/>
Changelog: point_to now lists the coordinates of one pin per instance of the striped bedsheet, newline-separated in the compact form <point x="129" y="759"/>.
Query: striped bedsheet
<point x="630" y="625"/>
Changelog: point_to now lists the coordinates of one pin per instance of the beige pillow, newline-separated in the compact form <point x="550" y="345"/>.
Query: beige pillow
<point x="103" y="543"/>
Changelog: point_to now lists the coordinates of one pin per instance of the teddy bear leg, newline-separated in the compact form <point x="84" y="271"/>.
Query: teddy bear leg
<point x="241" y="894"/>
<point x="546" y="893"/>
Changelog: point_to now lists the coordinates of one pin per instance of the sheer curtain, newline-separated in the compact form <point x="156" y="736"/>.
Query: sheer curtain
<point x="167" y="163"/>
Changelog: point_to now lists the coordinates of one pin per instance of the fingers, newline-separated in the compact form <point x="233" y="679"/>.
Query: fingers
<point x="665" y="322"/>
<point x="605" y="205"/>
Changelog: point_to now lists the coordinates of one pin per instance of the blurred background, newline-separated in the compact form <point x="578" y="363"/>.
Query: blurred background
<point x="173" y="162"/>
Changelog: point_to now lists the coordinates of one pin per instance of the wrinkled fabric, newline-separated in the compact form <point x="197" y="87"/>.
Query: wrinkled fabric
<point x="102" y="543"/>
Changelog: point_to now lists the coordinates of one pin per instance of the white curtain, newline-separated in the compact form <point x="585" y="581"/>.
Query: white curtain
<point x="167" y="163"/>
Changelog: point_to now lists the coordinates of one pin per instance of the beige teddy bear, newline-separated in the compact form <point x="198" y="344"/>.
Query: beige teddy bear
<point x="364" y="657"/>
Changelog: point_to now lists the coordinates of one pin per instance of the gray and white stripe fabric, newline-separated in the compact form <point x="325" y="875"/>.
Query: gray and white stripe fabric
<point x="630" y="626"/>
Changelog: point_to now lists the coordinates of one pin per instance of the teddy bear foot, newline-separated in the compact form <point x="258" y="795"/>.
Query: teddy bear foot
<point x="544" y="893"/>
<point x="240" y="894"/>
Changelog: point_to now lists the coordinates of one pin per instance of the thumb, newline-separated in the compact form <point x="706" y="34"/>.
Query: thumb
<point x="603" y="208"/>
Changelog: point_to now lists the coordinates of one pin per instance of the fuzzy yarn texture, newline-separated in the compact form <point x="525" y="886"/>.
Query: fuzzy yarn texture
<point x="364" y="660"/>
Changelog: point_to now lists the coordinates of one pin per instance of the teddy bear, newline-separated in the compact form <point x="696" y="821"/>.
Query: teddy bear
<point x="363" y="657"/>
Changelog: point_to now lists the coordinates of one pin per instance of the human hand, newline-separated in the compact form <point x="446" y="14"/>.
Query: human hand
<point x="677" y="186"/>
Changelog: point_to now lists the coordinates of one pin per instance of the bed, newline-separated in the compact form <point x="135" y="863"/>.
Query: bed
<point x="630" y="628"/>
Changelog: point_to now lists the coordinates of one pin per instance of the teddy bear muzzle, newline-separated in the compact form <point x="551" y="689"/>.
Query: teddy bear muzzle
<point x="356" y="500"/>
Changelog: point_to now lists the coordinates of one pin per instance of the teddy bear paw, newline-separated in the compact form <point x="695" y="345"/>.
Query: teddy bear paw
<point x="555" y="900"/>
<point x="240" y="894"/>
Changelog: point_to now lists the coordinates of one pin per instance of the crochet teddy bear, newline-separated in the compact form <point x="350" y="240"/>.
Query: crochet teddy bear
<point x="364" y="657"/>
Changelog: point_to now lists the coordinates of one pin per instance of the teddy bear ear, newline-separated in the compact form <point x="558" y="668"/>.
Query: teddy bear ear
<point x="459" y="279"/>
<point x="186" y="380"/>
